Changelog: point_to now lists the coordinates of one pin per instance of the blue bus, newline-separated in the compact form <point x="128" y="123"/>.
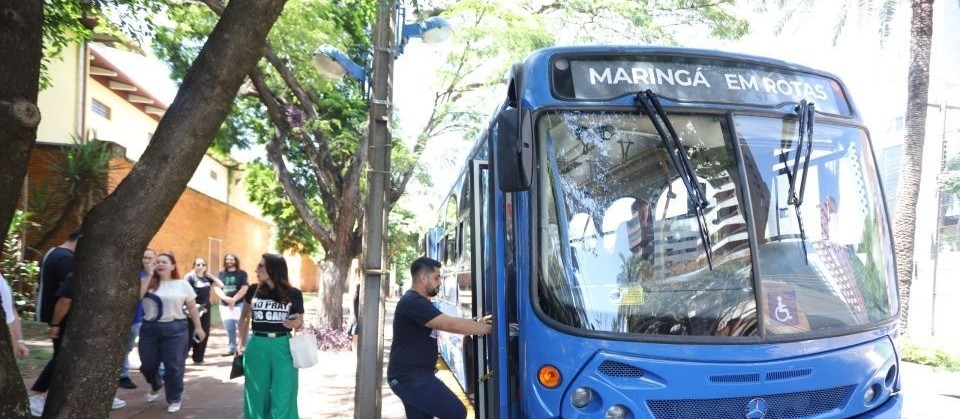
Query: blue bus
<point x="678" y="233"/>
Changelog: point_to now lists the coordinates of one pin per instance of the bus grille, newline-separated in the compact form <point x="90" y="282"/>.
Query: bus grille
<point x="619" y="369"/>
<point x="779" y="406"/>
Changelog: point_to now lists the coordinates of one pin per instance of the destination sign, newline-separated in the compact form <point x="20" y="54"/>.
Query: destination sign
<point x="697" y="81"/>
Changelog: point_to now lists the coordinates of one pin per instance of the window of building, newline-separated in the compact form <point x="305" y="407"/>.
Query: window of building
<point x="99" y="108"/>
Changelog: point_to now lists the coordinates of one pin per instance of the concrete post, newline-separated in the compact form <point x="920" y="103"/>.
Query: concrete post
<point x="368" y="399"/>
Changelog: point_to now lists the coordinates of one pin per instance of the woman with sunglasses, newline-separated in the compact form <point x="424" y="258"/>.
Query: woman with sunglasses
<point x="273" y="309"/>
<point x="164" y="332"/>
<point x="201" y="281"/>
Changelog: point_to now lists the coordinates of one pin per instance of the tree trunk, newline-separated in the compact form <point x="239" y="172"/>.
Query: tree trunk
<point x="21" y="49"/>
<point x="117" y="230"/>
<point x="333" y="278"/>
<point x="918" y="82"/>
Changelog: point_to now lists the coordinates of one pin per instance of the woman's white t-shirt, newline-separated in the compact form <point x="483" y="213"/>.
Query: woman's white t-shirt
<point x="174" y="294"/>
<point x="7" y="296"/>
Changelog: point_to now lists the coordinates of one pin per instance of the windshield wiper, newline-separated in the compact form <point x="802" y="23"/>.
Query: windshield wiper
<point x="649" y="104"/>
<point x="806" y="112"/>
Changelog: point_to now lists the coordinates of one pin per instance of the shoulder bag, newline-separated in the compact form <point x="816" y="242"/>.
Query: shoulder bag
<point x="303" y="349"/>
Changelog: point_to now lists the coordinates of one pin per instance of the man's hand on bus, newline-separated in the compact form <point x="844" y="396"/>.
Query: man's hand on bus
<point x="488" y="319"/>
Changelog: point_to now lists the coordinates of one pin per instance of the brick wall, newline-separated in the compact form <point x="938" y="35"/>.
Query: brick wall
<point x="198" y="226"/>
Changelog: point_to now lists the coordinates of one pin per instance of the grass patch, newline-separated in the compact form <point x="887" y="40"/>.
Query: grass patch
<point x="215" y="315"/>
<point x="935" y="357"/>
<point x="308" y="297"/>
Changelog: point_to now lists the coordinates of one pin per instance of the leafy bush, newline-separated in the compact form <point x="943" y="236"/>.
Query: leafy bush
<point x="19" y="272"/>
<point x="936" y="357"/>
<point x="330" y="340"/>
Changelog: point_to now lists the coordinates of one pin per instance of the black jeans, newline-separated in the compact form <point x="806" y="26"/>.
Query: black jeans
<point x="43" y="381"/>
<point x="199" y="349"/>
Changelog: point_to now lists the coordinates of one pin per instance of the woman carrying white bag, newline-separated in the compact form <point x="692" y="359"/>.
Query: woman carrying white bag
<point x="274" y="309"/>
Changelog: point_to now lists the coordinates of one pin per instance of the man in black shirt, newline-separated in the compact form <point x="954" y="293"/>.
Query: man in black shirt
<point x="54" y="267"/>
<point x="413" y="353"/>
<point x="56" y="264"/>
<point x="58" y="320"/>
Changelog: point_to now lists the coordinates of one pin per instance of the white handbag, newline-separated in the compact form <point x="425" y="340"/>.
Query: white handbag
<point x="303" y="349"/>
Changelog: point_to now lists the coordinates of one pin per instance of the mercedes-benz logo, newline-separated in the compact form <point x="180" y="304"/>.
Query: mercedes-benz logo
<point x="756" y="408"/>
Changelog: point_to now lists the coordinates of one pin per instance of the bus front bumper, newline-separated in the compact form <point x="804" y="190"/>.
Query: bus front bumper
<point x="891" y="409"/>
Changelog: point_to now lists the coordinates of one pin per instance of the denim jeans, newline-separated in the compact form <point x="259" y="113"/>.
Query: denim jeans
<point x="426" y="397"/>
<point x="125" y="365"/>
<point x="163" y="342"/>
<point x="230" y="324"/>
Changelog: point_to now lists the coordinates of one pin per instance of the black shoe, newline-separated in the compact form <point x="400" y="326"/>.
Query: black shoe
<point x="127" y="383"/>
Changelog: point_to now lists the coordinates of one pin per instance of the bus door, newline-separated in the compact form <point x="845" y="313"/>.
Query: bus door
<point x="478" y="362"/>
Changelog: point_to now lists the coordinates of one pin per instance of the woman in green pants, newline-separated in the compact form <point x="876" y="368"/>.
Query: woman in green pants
<point x="273" y="309"/>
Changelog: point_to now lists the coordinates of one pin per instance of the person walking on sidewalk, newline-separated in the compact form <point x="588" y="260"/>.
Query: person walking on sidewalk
<point x="201" y="281"/>
<point x="56" y="271"/>
<point x="234" y="287"/>
<point x="413" y="353"/>
<point x="61" y="312"/>
<point x="273" y="309"/>
<point x="163" y="335"/>
<point x="146" y="271"/>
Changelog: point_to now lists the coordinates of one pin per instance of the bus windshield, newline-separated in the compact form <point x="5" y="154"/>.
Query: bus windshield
<point x="621" y="244"/>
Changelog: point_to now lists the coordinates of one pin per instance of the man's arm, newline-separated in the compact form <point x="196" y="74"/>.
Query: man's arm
<point x="244" y="282"/>
<point x="462" y="326"/>
<point x="241" y="292"/>
<point x="59" y="313"/>
<point x="218" y="289"/>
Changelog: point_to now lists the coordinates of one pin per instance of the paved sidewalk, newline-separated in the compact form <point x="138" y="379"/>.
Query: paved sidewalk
<point x="326" y="390"/>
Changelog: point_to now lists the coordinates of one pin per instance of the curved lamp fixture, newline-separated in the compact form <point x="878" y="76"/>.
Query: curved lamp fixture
<point x="334" y="64"/>
<point x="432" y="30"/>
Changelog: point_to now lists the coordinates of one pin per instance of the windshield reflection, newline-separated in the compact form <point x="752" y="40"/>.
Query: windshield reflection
<point x="620" y="240"/>
<point x="633" y="260"/>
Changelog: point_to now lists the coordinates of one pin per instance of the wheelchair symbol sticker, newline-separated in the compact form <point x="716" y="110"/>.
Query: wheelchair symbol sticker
<point x="782" y="306"/>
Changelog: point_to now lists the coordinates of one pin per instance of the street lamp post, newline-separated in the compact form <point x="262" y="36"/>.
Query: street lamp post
<point x="388" y="44"/>
<point x="368" y="400"/>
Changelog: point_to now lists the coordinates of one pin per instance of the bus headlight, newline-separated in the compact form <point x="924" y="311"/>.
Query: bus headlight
<point x="616" y="412"/>
<point x="581" y="397"/>
<point x="870" y="395"/>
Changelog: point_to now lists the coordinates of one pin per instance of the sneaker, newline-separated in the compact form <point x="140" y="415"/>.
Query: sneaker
<point x="152" y="396"/>
<point x="127" y="383"/>
<point x="230" y="353"/>
<point x="36" y="403"/>
<point x="174" y="407"/>
<point x="118" y="403"/>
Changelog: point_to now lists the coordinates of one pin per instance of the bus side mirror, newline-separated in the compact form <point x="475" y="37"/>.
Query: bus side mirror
<point x="514" y="154"/>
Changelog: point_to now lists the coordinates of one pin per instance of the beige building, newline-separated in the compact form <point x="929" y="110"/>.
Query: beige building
<point x="118" y="96"/>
